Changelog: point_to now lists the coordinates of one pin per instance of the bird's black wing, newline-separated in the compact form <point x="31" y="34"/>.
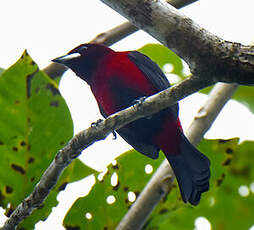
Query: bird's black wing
<point x="152" y="71"/>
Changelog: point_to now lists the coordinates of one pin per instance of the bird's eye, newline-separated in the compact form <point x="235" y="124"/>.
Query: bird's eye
<point x="80" y="49"/>
<point x="83" y="48"/>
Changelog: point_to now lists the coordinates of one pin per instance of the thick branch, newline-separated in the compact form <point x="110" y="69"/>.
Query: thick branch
<point x="162" y="181"/>
<point x="208" y="56"/>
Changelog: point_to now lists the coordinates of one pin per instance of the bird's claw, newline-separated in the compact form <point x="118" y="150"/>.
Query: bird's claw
<point x="96" y="123"/>
<point x="138" y="102"/>
<point x="114" y="135"/>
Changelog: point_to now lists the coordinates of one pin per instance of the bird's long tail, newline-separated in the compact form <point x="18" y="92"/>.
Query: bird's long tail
<point x="192" y="171"/>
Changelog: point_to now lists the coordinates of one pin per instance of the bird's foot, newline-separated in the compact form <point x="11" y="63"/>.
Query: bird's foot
<point x="138" y="102"/>
<point x="114" y="135"/>
<point x="96" y="123"/>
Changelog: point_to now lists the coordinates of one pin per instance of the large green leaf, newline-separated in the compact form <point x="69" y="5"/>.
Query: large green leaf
<point x="130" y="169"/>
<point x="231" y="167"/>
<point x="34" y="124"/>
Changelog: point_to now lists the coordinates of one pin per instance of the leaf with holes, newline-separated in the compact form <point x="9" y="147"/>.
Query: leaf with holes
<point x="110" y="199"/>
<point x="34" y="124"/>
<point x="231" y="167"/>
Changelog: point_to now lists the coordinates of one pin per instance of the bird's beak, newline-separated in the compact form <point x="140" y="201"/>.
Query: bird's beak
<point x="66" y="58"/>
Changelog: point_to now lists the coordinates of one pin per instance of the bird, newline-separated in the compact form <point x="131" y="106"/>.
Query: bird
<point x="117" y="80"/>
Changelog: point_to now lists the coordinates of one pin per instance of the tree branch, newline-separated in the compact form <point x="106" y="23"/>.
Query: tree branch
<point x="207" y="114"/>
<point x="208" y="56"/>
<point x="116" y="34"/>
<point x="110" y="37"/>
<point x="162" y="180"/>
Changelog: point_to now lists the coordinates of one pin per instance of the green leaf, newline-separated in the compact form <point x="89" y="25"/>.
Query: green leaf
<point x="245" y="95"/>
<point x="231" y="167"/>
<point x="162" y="55"/>
<point x="1" y="70"/>
<point x="34" y="124"/>
<point x="76" y="171"/>
<point x="130" y="169"/>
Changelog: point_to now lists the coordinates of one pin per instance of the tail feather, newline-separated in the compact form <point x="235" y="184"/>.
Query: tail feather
<point x="192" y="170"/>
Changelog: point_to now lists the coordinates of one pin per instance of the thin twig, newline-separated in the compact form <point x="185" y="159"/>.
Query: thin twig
<point x="116" y="34"/>
<point x="203" y="120"/>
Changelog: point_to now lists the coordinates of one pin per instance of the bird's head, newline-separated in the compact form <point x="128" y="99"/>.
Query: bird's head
<point x="83" y="59"/>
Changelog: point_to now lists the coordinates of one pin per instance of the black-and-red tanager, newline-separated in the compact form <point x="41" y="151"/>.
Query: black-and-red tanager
<point x="117" y="79"/>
